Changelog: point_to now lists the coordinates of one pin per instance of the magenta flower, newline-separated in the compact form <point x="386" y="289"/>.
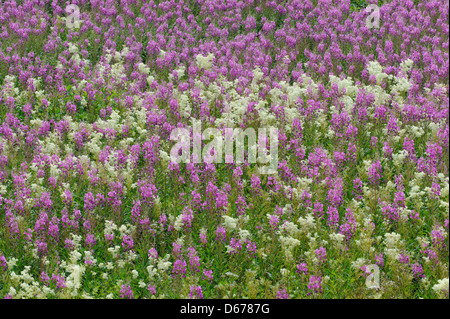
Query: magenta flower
<point x="379" y="260"/>
<point x="302" y="268"/>
<point x="127" y="242"/>
<point x="203" y="238"/>
<point x="321" y="254"/>
<point x="274" y="220"/>
<point x="44" y="278"/>
<point x="220" y="233"/>
<point x="179" y="268"/>
<point x="374" y="173"/>
<point x="282" y="294"/>
<point x="3" y="263"/>
<point x="152" y="289"/>
<point x="417" y="270"/>
<point x="90" y="240"/>
<point x="207" y="275"/>
<point x="195" y="292"/>
<point x="315" y="285"/>
<point x="152" y="253"/>
<point x="126" y="292"/>
<point x="60" y="281"/>
<point x="403" y="258"/>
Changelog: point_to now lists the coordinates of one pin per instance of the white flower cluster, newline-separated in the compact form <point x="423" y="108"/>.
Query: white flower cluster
<point x="178" y="224"/>
<point x="288" y="243"/>
<point x="406" y="65"/>
<point x="257" y="75"/>
<point x="290" y="228"/>
<point x="8" y="87"/>
<point x="184" y="105"/>
<point x="114" y="251"/>
<point x="307" y="223"/>
<point x="244" y="234"/>
<point x="204" y="62"/>
<point x="143" y="68"/>
<point x="441" y="288"/>
<point x="345" y="83"/>
<point x="126" y="229"/>
<point x="337" y="239"/>
<point x="230" y="223"/>
<point x="399" y="158"/>
<point x="164" y="263"/>
<point x="73" y="281"/>
<point x="89" y="257"/>
<point x="392" y="242"/>
<point x="376" y="69"/>
<point x="72" y="48"/>
<point x="359" y="263"/>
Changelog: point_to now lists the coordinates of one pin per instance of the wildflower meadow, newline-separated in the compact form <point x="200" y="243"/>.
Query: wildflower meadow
<point x="210" y="149"/>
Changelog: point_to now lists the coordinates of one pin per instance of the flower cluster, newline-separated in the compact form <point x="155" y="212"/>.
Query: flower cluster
<point x="93" y="204"/>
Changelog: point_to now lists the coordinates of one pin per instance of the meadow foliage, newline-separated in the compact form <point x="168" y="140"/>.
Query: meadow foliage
<point x="93" y="206"/>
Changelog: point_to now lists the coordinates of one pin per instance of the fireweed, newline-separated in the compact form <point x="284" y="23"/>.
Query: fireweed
<point x="94" y="203"/>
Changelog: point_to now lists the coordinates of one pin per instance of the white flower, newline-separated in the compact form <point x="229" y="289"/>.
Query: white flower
<point x="204" y="62"/>
<point x="73" y="48"/>
<point x="399" y="157"/>
<point x="337" y="239"/>
<point x="74" y="256"/>
<point x="390" y="185"/>
<point x="178" y="222"/>
<point x="12" y="291"/>
<point x="143" y="68"/>
<point x="376" y="69"/>
<point x="392" y="253"/>
<point x="441" y="288"/>
<point x="230" y="222"/>
<point x="392" y="240"/>
<point x="257" y="74"/>
<point x="109" y="227"/>
<point x="76" y="272"/>
<point x="88" y="256"/>
<point x="11" y="263"/>
<point x="151" y="271"/>
<point x="124" y="230"/>
<point x="150" y="79"/>
<point x="164" y="156"/>
<point x="306" y="223"/>
<point x="288" y="242"/>
<point x="290" y="228"/>
<point x="163" y="264"/>
<point x="109" y="265"/>
<point x="359" y="263"/>
<point x="417" y="131"/>
<point x="244" y="234"/>
<point x="407" y="65"/>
